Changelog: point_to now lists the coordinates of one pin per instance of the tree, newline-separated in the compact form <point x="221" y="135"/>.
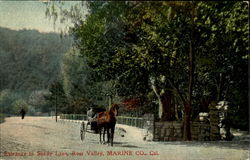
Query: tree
<point x="181" y="50"/>
<point x="7" y="99"/>
<point x="111" y="47"/>
<point x="20" y="104"/>
<point x="37" y="101"/>
<point x="222" y="68"/>
<point x="76" y="79"/>
<point x="56" y="99"/>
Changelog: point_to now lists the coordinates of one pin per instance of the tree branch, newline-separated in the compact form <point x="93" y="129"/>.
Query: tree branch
<point x="177" y="90"/>
<point x="155" y="88"/>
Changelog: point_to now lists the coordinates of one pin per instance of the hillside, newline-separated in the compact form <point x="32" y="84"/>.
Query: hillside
<point x="30" y="60"/>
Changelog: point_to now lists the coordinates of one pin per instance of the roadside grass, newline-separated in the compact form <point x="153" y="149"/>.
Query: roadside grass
<point x="2" y="117"/>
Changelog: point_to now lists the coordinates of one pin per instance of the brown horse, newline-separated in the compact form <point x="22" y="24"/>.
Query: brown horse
<point x="107" y="120"/>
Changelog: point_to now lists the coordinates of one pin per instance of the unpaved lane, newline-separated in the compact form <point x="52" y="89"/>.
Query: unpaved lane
<point x="43" y="138"/>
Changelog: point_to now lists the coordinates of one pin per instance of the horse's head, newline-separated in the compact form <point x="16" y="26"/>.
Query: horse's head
<point x="114" y="108"/>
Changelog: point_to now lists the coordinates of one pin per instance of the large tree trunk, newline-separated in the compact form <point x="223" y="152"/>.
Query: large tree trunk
<point x="188" y="104"/>
<point x="187" y="122"/>
<point x="165" y="107"/>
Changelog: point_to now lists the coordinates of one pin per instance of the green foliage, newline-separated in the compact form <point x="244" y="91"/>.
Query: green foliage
<point x="2" y="117"/>
<point x="37" y="101"/>
<point x="79" y="84"/>
<point x="133" y="45"/>
<point x="7" y="97"/>
<point x="56" y="98"/>
<point x="222" y="65"/>
<point x="18" y="105"/>
<point x="76" y="74"/>
<point x="29" y="62"/>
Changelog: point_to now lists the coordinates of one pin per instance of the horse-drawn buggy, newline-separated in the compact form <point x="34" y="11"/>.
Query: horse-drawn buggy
<point x="91" y="125"/>
<point x="100" y="121"/>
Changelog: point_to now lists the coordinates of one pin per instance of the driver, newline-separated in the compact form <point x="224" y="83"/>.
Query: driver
<point x="91" y="115"/>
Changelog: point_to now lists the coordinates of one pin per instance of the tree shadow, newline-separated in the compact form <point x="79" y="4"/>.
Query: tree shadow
<point x="219" y="144"/>
<point x="124" y="144"/>
<point x="115" y="144"/>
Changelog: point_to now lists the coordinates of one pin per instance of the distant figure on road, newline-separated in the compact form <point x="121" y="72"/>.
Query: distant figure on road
<point x="22" y="113"/>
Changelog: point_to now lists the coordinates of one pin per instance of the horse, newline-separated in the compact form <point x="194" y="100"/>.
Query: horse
<point x="107" y="120"/>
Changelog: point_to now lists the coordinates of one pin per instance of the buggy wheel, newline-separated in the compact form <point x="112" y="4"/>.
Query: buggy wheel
<point x="82" y="131"/>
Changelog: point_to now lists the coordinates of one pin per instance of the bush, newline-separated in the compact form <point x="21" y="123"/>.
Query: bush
<point x="2" y="116"/>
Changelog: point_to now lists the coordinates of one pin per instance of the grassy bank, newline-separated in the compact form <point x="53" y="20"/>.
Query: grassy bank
<point x="2" y="116"/>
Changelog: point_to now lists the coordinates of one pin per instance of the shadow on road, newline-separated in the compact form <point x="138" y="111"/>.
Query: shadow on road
<point x="125" y="144"/>
<point x="245" y="144"/>
<point x="116" y="144"/>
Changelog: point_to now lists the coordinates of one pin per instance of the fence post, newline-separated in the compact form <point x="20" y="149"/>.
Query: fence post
<point x="148" y="127"/>
<point x="214" y="122"/>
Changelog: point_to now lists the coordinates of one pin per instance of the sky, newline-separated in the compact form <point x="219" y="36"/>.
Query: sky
<point x="19" y="15"/>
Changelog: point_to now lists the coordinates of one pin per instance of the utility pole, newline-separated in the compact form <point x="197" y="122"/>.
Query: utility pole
<point x="110" y="101"/>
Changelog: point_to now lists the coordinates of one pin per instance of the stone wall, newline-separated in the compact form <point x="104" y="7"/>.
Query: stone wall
<point x="200" y="131"/>
<point x="173" y="131"/>
<point x="214" y="122"/>
<point x="168" y="131"/>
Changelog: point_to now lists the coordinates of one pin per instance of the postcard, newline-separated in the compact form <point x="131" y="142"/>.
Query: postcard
<point x="124" y="80"/>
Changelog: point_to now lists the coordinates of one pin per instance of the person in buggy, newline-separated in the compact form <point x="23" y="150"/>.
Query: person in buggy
<point x="91" y="115"/>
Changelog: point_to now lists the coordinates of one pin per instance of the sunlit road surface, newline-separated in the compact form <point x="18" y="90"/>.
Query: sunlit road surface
<point x="43" y="138"/>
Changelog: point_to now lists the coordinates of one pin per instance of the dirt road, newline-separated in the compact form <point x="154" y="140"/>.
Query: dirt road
<point x="43" y="138"/>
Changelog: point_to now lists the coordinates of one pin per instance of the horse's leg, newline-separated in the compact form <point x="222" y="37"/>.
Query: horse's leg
<point x="104" y="130"/>
<point x="112" y="134"/>
<point x="100" y="134"/>
<point x="108" y="135"/>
